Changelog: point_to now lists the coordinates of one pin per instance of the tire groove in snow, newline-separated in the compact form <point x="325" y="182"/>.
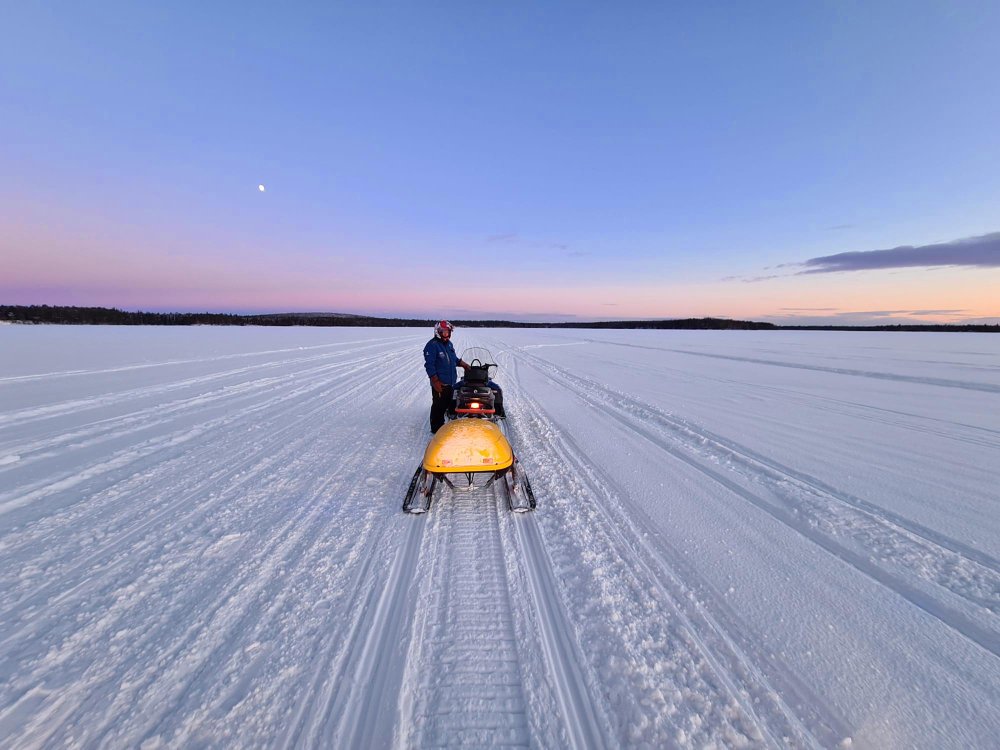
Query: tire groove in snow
<point x="301" y="531"/>
<point x="582" y="717"/>
<point x="965" y="385"/>
<point x="948" y="429"/>
<point x="675" y="691"/>
<point x="361" y="548"/>
<point x="147" y="418"/>
<point x="717" y="633"/>
<point x="79" y="405"/>
<point x="315" y="710"/>
<point x="186" y="659"/>
<point x="243" y="469"/>
<point x="29" y="494"/>
<point x="231" y="567"/>
<point x="178" y="362"/>
<point x="332" y="587"/>
<point x="967" y="621"/>
<point x="780" y="473"/>
<point x="463" y="684"/>
<point x="366" y="685"/>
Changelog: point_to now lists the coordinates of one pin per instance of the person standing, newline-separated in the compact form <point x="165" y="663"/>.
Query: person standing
<point x="440" y="362"/>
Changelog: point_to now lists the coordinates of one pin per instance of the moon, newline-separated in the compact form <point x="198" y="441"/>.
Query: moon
<point x="260" y="188"/>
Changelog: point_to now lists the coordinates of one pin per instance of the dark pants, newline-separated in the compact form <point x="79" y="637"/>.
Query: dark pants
<point x="498" y="400"/>
<point x="440" y="402"/>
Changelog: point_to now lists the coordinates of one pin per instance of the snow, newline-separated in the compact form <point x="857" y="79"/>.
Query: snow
<point x="743" y="539"/>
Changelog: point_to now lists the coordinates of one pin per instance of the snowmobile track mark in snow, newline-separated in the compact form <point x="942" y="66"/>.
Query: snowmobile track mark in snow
<point x="948" y="569"/>
<point x="191" y="409"/>
<point x="966" y="625"/>
<point x="718" y="635"/>
<point x="367" y="683"/>
<point x="239" y="582"/>
<point x="581" y="715"/>
<point x="464" y="683"/>
<point x="243" y="470"/>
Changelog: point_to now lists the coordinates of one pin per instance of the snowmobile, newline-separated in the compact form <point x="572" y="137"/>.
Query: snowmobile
<point x="473" y="443"/>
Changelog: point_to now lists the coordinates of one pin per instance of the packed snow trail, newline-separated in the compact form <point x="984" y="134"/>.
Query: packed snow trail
<point x="465" y="684"/>
<point x="825" y="516"/>
<point x="742" y="540"/>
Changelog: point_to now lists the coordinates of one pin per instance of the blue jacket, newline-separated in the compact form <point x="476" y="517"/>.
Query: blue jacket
<point x="440" y="359"/>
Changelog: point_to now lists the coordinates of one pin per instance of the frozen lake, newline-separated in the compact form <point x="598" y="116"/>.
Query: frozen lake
<point x="758" y="539"/>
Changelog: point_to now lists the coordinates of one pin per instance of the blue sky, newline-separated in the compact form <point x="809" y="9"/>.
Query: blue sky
<point x="557" y="160"/>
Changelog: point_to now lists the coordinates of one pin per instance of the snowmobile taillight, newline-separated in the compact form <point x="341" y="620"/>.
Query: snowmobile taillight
<point x="474" y="405"/>
<point x="476" y="409"/>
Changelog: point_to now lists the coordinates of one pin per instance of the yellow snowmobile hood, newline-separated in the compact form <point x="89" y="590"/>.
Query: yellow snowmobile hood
<point x="467" y="445"/>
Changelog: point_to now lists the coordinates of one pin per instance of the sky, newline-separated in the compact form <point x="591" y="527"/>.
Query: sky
<point x="788" y="162"/>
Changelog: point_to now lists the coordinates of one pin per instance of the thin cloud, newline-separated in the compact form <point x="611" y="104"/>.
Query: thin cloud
<point x="976" y="252"/>
<point x="875" y="313"/>
<point x="838" y="227"/>
<point x="892" y="313"/>
<point x="508" y="237"/>
<point x="467" y="313"/>
<point x="871" y="317"/>
<point x="754" y="279"/>
<point x="809" y="309"/>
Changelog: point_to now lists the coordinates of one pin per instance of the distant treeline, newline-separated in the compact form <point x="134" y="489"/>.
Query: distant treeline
<point x="942" y="328"/>
<point x="113" y="316"/>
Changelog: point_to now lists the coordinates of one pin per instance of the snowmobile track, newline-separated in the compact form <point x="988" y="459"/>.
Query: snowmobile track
<point x="190" y="413"/>
<point x="707" y="645"/>
<point x="239" y="473"/>
<point x="562" y="653"/>
<point x="205" y="551"/>
<point x="870" y="374"/>
<point x="367" y="682"/>
<point x="243" y="576"/>
<point x="714" y="635"/>
<point x="464" y="677"/>
<point x="789" y="510"/>
<point x="237" y="607"/>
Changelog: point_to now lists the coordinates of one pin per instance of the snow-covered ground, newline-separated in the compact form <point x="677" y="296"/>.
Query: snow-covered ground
<point x="742" y="539"/>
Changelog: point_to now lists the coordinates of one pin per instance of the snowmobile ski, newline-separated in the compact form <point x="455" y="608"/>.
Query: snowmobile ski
<point x="418" y="496"/>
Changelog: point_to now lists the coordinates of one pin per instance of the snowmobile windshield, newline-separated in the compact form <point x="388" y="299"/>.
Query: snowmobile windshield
<point x="476" y="356"/>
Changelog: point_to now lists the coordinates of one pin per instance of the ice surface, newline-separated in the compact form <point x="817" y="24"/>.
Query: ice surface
<point x="743" y="539"/>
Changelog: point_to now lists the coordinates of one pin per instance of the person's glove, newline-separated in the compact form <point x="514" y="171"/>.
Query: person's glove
<point x="436" y="384"/>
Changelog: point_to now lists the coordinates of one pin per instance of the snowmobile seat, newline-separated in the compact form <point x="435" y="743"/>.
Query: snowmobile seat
<point x="477" y="375"/>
